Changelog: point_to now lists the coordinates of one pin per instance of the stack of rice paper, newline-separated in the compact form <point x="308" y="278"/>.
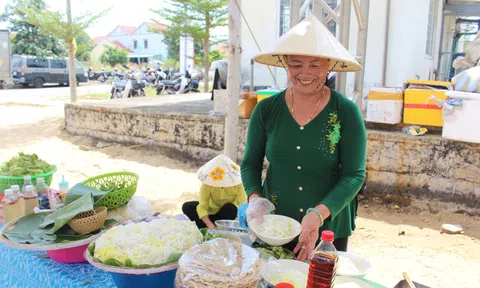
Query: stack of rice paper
<point x="219" y="263"/>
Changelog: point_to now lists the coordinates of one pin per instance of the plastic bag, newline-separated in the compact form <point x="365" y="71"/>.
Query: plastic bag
<point x="219" y="263"/>
<point x="468" y="80"/>
<point x="137" y="209"/>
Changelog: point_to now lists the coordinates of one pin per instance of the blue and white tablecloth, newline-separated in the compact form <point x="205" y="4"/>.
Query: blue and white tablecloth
<point x="22" y="269"/>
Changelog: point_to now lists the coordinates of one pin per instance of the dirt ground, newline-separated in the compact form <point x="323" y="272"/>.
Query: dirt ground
<point x="398" y="239"/>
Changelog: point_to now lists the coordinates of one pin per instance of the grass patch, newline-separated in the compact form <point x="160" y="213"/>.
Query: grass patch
<point x="95" y="96"/>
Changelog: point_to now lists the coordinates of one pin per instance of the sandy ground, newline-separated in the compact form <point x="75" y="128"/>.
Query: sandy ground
<point x="431" y="258"/>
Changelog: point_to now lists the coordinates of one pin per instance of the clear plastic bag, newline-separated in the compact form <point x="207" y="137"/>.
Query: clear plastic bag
<point x="219" y="263"/>
<point x="136" y="210"/>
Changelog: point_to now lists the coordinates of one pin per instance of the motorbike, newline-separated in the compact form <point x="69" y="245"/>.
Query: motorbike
<point x="130" y="88"/>
<point x="183" y="85"/>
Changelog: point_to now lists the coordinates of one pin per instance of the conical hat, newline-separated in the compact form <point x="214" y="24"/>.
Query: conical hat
<point x="221" y="171"/>
<point x="310" y="38"/>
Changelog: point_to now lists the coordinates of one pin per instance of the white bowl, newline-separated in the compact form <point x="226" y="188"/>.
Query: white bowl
<point x="344" y="281"/>
<point x="297" y="228"/>
<point x="362" y="265"/>
<point x="284" y="265"/>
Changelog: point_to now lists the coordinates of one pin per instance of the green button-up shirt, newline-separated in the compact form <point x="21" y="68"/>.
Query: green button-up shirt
<point x="322" y="162"/>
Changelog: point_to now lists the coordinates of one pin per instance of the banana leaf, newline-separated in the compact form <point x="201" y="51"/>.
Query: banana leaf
<point x="79" y="190"/>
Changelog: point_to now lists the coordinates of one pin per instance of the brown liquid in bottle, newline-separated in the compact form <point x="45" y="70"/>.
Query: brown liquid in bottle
<point x="322" y="270"/>
<point x="30" y="203"/>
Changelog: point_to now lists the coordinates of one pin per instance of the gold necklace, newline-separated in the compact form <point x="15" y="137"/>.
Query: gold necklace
<point x="314" y="110"/>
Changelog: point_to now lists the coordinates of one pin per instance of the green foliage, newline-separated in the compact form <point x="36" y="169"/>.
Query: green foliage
<point x="214" y="56"/>
<point x="25" y="164"/>
<point x="84" y="46"/>
<point x="113" y="56"/>
<point x="28" y="39"/>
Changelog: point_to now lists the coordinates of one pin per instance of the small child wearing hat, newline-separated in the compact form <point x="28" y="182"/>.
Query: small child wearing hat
<point x="220" y="194"/>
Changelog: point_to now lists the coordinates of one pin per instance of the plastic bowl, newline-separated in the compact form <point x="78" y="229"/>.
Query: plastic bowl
<point x="362" y="265"/>
<point x="278" y="241"/>
<point x="69" y="255"/>
<point x="283" y="266"/>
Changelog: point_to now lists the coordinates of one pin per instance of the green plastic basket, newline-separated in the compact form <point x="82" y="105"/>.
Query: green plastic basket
<point x="7" y="181"/>
<point x="119" y="197"/>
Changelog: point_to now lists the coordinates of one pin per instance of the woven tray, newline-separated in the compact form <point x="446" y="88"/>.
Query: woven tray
<point x="41" y="247"/>
<point x="89" y="221"/>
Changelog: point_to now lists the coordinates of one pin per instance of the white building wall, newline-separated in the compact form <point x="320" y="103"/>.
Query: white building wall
<point x="156" y="46"/>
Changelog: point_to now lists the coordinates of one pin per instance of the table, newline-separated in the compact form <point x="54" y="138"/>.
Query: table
<point x="21" y="268"/>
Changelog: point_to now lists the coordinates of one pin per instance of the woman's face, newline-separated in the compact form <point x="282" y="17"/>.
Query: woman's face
<point x="306" y="72"/>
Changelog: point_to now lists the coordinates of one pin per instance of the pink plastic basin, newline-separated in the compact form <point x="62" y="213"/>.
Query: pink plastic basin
<point x="69" y="255"/>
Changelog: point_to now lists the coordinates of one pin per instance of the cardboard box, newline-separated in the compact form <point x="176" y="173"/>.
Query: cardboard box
<point x="419" y="109"/>
<point x="385" y="105"/>
<point x="262" y="94"/>
<point x="220" y="102"/>
<point x="247" y="103"/>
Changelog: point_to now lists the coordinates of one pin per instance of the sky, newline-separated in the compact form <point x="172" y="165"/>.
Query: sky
<point x="127" y="13"/>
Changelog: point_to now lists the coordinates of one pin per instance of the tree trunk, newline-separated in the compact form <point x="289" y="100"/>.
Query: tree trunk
<point x="206" y="59"/>
<point x="72" y="79"/>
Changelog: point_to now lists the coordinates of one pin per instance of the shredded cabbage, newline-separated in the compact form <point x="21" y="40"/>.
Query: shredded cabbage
<point x="147" y="243"/>
<point x="294" y="277"/>
<point x="274" y="228"/>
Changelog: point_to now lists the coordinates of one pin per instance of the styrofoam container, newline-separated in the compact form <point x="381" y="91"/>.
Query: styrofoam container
<point x="362" y="265"/>
<point x="462" y="124"/>
<point x="278" y="241"/>
<point x="385" y="105"/>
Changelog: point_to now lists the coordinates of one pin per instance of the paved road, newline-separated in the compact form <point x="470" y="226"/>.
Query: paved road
<point x="49" y="94"/>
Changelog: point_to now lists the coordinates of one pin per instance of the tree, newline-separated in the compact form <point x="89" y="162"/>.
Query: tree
<point x="197" y="19"/>
<point x="214" y="56"/>
<point x="173" y="46"/>
<point x="113" y="56"/>
<point x="28" y="39"/>
<point x="62" y="26"/>
<point x="84" y="46"/>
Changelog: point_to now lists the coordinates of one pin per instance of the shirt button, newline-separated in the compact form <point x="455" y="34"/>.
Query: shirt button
<point x="298" y="147"/>
<point x="300" y="188"/>
<point x="301" y="128"/>
<point x="299" y="167"/>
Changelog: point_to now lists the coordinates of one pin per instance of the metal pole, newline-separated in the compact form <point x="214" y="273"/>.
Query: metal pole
<point x="233" y="80"/>
<point x="362" y="48"/>
<point x="72" y="80"/>
<point x="346" y="8"/>
<point x="387" y="35"/>
<point x="317" y="9"/>
<point x="328" y="9"/>
<point x="294" y="12"/>
<point x="252" y="70"/>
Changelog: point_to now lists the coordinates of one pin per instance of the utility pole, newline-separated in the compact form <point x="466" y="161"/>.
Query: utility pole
<point x="233" y="80"/>
<point x="72" y="79"/>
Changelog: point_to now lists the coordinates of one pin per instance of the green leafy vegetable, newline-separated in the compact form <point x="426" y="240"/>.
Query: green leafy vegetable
<point x="277" y="251"/>
<point x="25" y="164"/>
<point x="80" y="190"/>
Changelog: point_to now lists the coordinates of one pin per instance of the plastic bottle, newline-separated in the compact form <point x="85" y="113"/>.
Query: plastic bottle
<point x="11" y="207"/>
<point x="42" y="191"/>
<point x="27" y="180"/>
<point x="323" y="263"/>
<point x="63" y="187"/>
<point x="30" y="199"/>
<point x="17" y="194"/>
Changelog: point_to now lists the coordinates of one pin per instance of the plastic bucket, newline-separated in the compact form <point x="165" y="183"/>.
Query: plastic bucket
<point x="164" y="279"/>
<point x="69" y="255"/>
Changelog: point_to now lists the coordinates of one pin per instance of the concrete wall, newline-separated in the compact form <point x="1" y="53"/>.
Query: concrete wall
<point x="396" y="163"/>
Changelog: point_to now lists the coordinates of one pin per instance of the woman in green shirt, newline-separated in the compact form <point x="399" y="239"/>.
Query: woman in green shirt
<point x="313" y="137"/>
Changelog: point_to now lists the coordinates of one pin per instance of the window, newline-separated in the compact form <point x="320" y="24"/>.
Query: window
<point x="17" y="61"/>
<point x="78" y="65"/>
<point x="59" y="64"/>
<point x="145" y="44"/>
<point x="430" y="28"/>
<point x="135" y="44"/>
<point x="284" y="16"/>
<point x="37" y="63"/>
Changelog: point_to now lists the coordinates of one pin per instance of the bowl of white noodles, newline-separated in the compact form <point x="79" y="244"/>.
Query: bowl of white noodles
<point x="276" y="230"/>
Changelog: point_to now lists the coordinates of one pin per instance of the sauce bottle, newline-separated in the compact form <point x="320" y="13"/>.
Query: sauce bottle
<point x="27" y="180"/>
<point x="30" y="199"/>
<point x="19" y="195"/>
<point x="323" y="263"/>
<point x="11" y="207"/>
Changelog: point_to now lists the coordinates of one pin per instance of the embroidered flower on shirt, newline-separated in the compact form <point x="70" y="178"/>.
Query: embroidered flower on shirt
<point x="334" y="131"/>
<point x="217" y="174"/>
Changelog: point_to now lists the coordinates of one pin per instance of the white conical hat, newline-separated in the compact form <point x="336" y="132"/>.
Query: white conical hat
<point x="310" y="38"/>
<point x="221" y="171"/>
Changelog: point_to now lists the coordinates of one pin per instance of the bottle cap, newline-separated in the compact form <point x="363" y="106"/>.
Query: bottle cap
<point x="284" y="285"/>
<point x="15" y="188"/>
<point x="328" y="236"/>
<point x="40" y="180"/>
<point x="27" y="177"/>
<point x="63" y="183"/>
<point x="29" y="188"/>
<point x="8" y="192"/>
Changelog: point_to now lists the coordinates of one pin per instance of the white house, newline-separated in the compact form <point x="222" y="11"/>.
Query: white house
<point x="141" y="42"/>
<point x="407" y="39"/>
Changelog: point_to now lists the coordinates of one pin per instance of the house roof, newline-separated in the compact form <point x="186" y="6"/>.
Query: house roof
<point x="114" y="44"/>
<point x="98" y="39"/>
<point x="158" y="26"/>
<point x="128" y="29"/>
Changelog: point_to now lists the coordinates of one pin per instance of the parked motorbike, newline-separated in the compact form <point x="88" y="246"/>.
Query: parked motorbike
<point x="131" y="88"/>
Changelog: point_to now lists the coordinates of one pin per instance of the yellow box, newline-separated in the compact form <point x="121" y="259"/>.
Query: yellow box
<point x="418" y="107"/>
<point x="262" y="94"/>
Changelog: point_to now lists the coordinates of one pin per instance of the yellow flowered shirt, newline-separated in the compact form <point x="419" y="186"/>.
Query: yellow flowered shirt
<point x="213" y="198"/>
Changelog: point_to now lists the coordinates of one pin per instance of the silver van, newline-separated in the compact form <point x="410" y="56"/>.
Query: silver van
<point x="28" y="70"/>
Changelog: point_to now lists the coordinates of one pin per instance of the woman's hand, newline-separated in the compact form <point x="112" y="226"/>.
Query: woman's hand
<point x="309" y="236"/>
<point x="257" y="208"/>
<point x="211" y="226"/>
